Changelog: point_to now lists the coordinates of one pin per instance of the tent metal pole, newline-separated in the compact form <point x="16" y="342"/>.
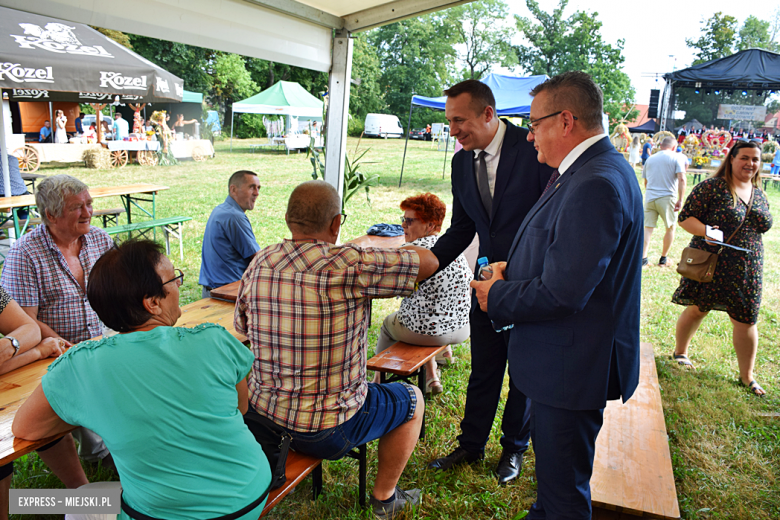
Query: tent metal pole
<point x="50" y="139"/>
<point x="4" y="158"/>
<point x="408" y="129"/>
<point x="231" y="129"/>
<point x="446" y="148"/>
<point x="338" y="111"/>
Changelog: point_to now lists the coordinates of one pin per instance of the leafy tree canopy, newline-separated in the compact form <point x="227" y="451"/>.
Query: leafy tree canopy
<point x="716" y="40"/>
<point x="559" y="44"/>
<point x="483" y="33"/>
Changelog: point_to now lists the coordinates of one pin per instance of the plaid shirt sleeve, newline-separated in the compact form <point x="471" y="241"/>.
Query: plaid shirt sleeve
<point x="384" y="273"/>
<point x="20" y="277"/>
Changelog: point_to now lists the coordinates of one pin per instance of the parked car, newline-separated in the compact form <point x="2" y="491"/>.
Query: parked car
<point x="90" y="118"/>
<point x="417" y="133"/>
<point x="383" y="125"/>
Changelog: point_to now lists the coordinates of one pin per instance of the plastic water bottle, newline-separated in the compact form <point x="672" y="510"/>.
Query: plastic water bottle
<point x="485" y="272"/>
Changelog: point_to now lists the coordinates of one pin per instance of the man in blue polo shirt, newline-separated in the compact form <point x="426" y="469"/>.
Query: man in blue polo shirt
<point x="229" y="242"/>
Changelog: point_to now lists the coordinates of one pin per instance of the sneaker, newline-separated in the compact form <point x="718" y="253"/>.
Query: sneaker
<point x="644" y="261"/>
<point x="400" y="500"/>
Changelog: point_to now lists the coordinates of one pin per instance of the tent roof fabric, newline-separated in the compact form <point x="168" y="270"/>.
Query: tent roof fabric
<point x="284" y="98"/>
<point x="192" y="97"/>
<point x="47" y="59"/>
<point x="649" y="126"/>
<point x="751" y="68"/>
<point x="512" y="94"/>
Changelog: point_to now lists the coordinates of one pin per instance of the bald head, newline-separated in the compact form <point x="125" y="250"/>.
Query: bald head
<point x="668" y="143"/>
<point x="311" y="208"/>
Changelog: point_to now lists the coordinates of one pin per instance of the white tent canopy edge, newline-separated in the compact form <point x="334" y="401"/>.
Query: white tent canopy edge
<point x="299" y="33"/>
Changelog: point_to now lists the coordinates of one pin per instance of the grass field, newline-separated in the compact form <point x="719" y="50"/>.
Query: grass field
<point x="725" y="443"/>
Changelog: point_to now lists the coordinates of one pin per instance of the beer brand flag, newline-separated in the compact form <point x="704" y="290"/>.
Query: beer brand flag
<point x="46" y="59"/>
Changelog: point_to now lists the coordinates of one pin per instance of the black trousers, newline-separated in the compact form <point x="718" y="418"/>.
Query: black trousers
<point x="488" y="366"/>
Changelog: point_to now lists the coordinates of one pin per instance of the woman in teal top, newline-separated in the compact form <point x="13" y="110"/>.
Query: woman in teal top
<point x="167" y="401"/>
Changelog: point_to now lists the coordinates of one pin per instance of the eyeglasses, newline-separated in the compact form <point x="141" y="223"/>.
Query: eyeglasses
<point x="532" y="122"/>
<point x="407" y="220"/>
<point x="343" y="217"/>
<point x="179" y="279"/>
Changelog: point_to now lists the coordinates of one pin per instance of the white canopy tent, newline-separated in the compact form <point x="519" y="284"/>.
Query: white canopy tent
<point x="312" y="34"/>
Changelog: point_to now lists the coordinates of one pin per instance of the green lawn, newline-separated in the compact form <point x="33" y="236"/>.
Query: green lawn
<point x="724" y="442"/>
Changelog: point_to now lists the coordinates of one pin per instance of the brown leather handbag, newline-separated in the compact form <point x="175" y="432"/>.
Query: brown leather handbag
<point x="698" y="265"/>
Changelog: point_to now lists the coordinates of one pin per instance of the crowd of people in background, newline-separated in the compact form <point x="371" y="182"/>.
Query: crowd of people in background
<point x="117" y="130"/>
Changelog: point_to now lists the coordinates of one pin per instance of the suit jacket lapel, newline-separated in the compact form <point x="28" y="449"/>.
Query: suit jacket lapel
<point x="506" y="164"/>
<point x="597" y="148"/>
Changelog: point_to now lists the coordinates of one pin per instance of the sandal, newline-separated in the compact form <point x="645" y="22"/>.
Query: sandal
<point x="683" y="361"/>
<point x="445" y="357"/>
<point x="754" y="387"/>
<point x="433" y="385"/>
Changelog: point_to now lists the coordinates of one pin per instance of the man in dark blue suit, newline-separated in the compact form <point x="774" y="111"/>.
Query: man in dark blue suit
<point x="571" y="287"/>
<point x="495" y="181"/>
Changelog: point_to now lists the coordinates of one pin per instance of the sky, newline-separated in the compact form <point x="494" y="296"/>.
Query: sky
<point x="653" y="31"/>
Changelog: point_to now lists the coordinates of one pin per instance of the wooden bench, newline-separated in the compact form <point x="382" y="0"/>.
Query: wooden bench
<point x="632" y="469"/>
<point x="170" y="226"/>
<point x="109" y="216"/>
<point x="297" y="468"/>
<point x="401" y="362"/>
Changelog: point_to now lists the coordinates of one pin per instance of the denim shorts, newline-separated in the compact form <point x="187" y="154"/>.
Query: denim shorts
<point x="387" y="407"/>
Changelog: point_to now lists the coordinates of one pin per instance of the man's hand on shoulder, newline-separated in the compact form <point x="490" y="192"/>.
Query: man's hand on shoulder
<point x="482" y="287"/>
<point x="428" y="262"/>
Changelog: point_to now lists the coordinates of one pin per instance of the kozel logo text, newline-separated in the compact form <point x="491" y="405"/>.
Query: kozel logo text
<point x="116" y="80"/>
<point x="18" y="74"/>
<point x="32" y="94"/>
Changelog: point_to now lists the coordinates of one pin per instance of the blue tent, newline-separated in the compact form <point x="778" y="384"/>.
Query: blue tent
<point x="511" y="93"/>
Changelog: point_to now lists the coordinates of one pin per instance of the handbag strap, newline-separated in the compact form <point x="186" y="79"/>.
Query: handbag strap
<point x="750" y="206"/>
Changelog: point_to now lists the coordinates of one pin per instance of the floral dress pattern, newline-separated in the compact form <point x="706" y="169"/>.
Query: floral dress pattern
<point x="736" y="285"/>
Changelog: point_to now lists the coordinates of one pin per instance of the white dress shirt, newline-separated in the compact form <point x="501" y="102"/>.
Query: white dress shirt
<point x="493" y="156"/>
<point x="577" y="151"/>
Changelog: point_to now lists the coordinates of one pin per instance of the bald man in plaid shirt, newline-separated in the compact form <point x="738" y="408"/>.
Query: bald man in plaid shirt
<point x="304" y="306"/>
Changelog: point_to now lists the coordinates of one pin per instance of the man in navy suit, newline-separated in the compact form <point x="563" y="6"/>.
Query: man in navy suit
<point x="571" y="287"/>
<point x="495" y="181"/>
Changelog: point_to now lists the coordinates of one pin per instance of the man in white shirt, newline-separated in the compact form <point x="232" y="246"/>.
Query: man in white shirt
<point x="664" y="175"/>
<point x="121" y="127"/>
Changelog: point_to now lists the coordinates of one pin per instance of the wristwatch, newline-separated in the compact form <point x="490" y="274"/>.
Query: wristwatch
<point x="14" y="343"/>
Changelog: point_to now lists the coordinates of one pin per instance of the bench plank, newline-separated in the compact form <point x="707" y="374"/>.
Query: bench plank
<point x="146" y="224"/>
<point x="297" y="468"/>
<point x="402" y="359"/>
<point x="632" y="470"/>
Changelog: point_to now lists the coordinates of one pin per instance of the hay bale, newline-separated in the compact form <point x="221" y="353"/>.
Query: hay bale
<point x="98" y="158"/>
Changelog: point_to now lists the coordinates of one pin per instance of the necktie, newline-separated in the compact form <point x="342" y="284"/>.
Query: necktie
<point x="482" y="183"/>
<point x="553" y="178"/>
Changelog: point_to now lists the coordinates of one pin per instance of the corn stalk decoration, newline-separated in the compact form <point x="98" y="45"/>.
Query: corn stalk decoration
<point x="354" y="179"/>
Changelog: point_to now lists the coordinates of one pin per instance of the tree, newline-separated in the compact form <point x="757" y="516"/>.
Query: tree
<point x="482" y="31"/>
<point x="755" y="34"/>
<point x="365" y="95"/>
<point x="560" y="45"/>
<point x="415" y="55"/>
<point x="188" y="62"/>
<point x="718" y="35"/>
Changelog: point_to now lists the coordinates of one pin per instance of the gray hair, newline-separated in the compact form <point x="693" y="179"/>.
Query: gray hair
<point x="575" y="91"/>
<point x="51" y="193"/>
<point x="312" y="206"/>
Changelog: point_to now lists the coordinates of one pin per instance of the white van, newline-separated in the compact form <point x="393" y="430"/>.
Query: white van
<point x="383" y="125"/>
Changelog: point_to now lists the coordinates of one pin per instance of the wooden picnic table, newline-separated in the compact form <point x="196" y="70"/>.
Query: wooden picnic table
<point x="229" y="292"/>
<point x="17" y="385"/>
<point x="31" y="178"/>
<point x="131" y="195"/>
